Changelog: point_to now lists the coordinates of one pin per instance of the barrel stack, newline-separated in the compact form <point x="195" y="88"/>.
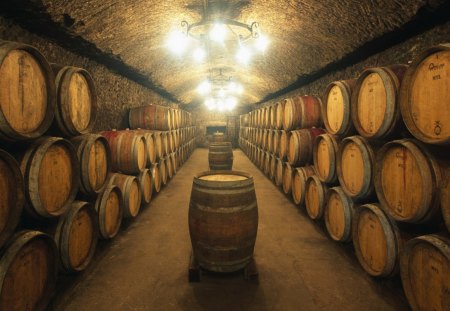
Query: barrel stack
<point x="58" y="193"/>
<point x="380" y="172"/>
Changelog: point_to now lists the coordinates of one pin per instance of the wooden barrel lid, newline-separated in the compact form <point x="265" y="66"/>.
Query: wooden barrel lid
<point x="339" y="209"/>
<point x="28" y="270"/>
<point x="375" y="237"/>
<point x="425" y="95"/>
<point x="425" y="272"/>
<point x="109" y="206"/>
<point x="315" y="192"/>
<point x="406" y="180"/>
<point x="27" y="92"/>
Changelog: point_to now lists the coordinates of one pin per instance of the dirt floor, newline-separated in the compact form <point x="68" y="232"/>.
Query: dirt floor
<point x="146" y="266"/>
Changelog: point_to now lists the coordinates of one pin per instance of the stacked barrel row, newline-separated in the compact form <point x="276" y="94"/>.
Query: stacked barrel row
<point x="57" y="194"/>
<point x="379" y="177"/>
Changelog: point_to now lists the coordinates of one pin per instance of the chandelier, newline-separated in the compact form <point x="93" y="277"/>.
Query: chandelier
<point x="200" y="37"/>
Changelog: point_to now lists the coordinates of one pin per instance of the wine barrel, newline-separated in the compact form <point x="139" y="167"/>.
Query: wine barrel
<point x="301" y="146"/>
<point x="244" y="120"/>
<point x="109" y="208"/>
<point x="338" y="215"/>
<point x="424" y="96"/>
<point x="315" y="195"/>
<point x="302" y="112"/>
<point x="445" y="199"/>
<point x="272" y="166"/>
<point x="287" y="178"/>
<point x="285" y="136"/>
<point x="356" y="167"/>
<point x="377" y="241"/>
<point x="174" y="162"/>
<point x="27" y="92"/>
<point x="76" y="100"/>
<point x="128" y="151"/>
<point x="151" y="117"/>
<point x="279" y="172"/>
<point x="94" y="157"/>
<point x="425" y="274"/>
<point x="324" y="157"/>
<point x="169" y="168"/>
<point x="375" y="110"/>
<point x="51" y="173"/>
<point x="12" y="196"/>
<point x="336" y="108"/>
<point x="223" y="220"/>
<point x="28" y="269"/>
<point x="266" y="169"/>
<point x="220" y="156"/>
<point x="218" y="137"/>
<point x="265" y="140"/>
<point x="299" y="177"/>
<point x="276" y="142"/>
<point x="159" y="145"/>
<point x="145" y="181"/>
<point x="156" y="178"/>
<point x="131" y="193"/>
<point x="266" y="123"/>
<point x="163" y="171"/>
<point x="279" y="117"/>
<point x="150" y="144"/>
<point x="76" y="236"/>
<point x="165" y="144"/>
<point x="407" y="181"/>
<point x="273" y="116"/>
<point x="270" y="141"/>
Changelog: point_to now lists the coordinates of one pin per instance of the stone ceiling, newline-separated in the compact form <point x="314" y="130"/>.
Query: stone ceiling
<point x="305" y="36"/>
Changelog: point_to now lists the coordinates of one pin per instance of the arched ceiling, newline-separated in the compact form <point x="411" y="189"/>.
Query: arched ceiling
<point x="305" y="36"/>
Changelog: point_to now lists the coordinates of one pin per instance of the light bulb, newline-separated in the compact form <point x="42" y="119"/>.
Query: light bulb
<point x="243" y="55"/>
<point x="199" y="55"/>
<point x="204" y="87"/>
<point x="218" y="33"/>
<point x="177" y="42"/>
<point x="262" y="43"/>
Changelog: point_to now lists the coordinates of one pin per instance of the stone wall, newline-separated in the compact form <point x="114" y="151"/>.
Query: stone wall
<point x="116" y="94"/>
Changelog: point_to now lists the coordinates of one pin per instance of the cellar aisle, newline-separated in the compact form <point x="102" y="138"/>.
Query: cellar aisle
<point x="145" y="267"/>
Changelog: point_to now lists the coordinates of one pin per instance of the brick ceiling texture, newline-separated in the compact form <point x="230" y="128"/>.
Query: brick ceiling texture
<point x="305" y="36"/>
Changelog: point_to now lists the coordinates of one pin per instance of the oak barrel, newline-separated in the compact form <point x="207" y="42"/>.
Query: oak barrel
<point x="94" y="157"/>
<point x="301" y="146"/>
<point x="336" y="108"/>
<point x="284" y="144"/>
<point x="377" y="240"/>
<point x="163" y="171"/>
<point x="128" y="151"/>
<point x="425" y="273"/>
<point x="76" y="236"/>
<point x="169" y="167"/>
<point x="145" y="181"/>
<point x="51" y="173"/>
<point x="27" y="92"/>
<point x="425" y="94"/>
<point x="324" y="157"/>
<point x="375" y="109"/>
<point x="158" y="144"/>
<point x="287" y="178"/>
<point x="28" y="269"/>
<point x="156" y="178"/>
<point x="279" y="117"/>
<point x="299" y="177"/>
<point x="356" y="167"/>
<point x="315" y="195"/>
<point x="407" y="181"/>
<point x="218" y="137"/>
<point x="272" y="166"/>
<point x="109" y="207"/>
<point x="220" y="156"/>
<point x="11" y="196"/>
<point x="266" y="168"/>
<point x="131" y="193"/>
<point x="338" y="215"/>
<point x="76" y="100"/>
<point x="151" y="117"/>
<point x="223" y="220"/>
<point x="150" y="143"/>
<point x="279" y="172"/>
<point x="302" y="112"/>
